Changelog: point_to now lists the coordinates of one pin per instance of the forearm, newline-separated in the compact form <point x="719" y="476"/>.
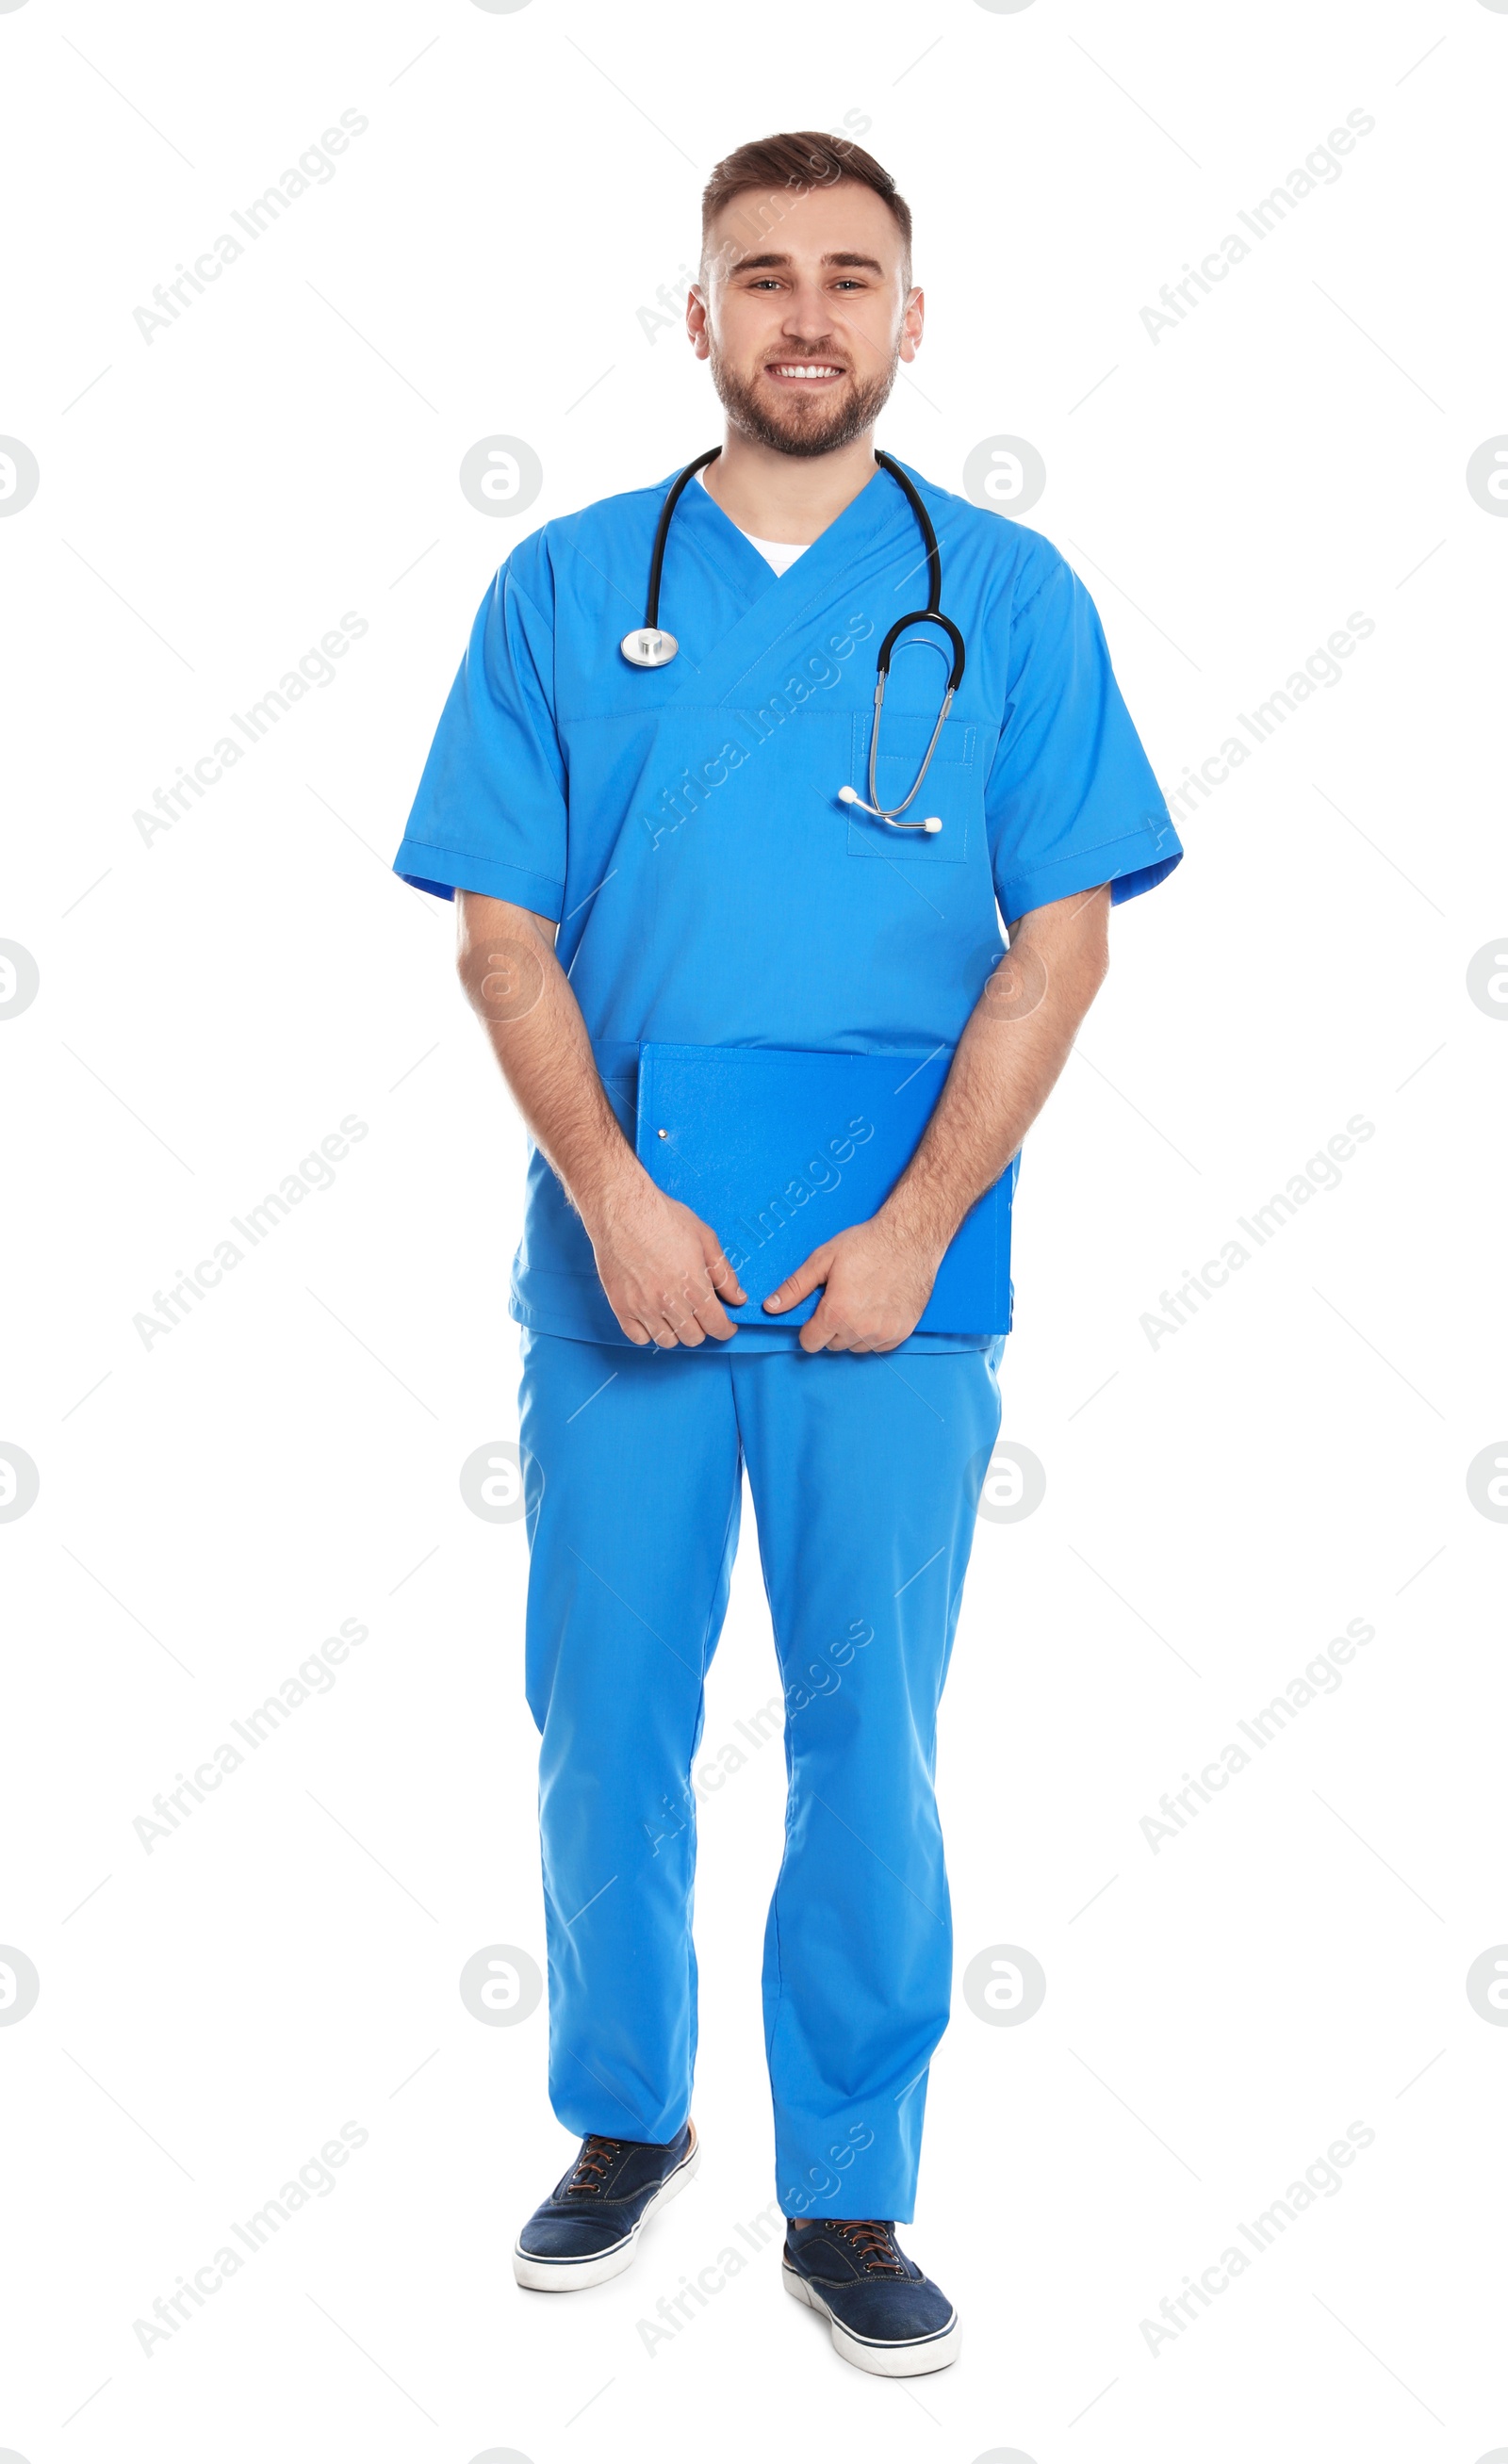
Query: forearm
<point x="506" y="960"/>
<point x="662" y="1270"/>
<point x="1008" y="1059"/>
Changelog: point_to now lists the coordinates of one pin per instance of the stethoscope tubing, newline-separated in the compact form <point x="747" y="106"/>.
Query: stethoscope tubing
<point x="930" y="614"/>
<point x="662" y="533"/>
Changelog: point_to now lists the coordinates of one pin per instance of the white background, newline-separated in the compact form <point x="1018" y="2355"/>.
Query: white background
<point x="213" y="1003"/>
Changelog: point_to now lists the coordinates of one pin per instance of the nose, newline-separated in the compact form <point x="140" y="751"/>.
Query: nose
<point x="807" y="319"/>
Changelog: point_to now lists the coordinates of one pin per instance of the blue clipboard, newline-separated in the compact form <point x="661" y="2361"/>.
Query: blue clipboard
<point x="777" y="1150"/>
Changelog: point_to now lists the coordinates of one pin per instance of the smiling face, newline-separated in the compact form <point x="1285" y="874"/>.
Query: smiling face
<point x="805" y="311"/>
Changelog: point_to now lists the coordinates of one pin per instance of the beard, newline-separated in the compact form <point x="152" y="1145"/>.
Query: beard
<point x="802" y="428"/>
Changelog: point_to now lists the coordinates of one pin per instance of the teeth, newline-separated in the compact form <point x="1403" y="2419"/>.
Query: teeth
<point x="803" y="368"/>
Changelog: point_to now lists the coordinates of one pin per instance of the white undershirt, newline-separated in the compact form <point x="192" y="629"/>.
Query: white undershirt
<point x="776" y="552"/>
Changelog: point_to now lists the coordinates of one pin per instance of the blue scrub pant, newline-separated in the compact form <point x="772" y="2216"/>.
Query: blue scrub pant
<point x="865" y="1472"/>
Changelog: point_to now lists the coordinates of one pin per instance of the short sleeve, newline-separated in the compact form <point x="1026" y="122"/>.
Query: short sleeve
<point x="1071" y="801"/>
<point x="489" y="814"/>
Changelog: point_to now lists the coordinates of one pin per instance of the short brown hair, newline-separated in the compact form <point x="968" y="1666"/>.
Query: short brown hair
<point x="799" y="160"/>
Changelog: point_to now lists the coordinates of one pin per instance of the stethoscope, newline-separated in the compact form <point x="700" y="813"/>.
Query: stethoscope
<point x="648" y="645"/>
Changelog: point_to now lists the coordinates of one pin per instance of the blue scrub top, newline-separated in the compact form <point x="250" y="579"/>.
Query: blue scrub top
<point x="683" y="826"/>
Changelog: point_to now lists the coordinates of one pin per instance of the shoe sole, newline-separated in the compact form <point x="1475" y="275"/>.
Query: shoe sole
<point x="574" y="2274"/>
<point x="887" y="2361"/>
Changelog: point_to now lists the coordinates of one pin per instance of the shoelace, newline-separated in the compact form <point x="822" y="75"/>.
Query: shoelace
<point x="595" y="2160"/>
<point x="872" y="2242"/>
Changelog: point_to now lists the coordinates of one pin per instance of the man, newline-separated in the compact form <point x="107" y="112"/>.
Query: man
<point x="650" y="854"/>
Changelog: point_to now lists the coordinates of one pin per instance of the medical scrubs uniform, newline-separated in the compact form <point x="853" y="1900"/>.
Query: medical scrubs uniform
<point x="682" y="826"/>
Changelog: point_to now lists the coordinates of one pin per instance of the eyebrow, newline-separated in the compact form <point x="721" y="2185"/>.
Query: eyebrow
<point x="837" y="256"/>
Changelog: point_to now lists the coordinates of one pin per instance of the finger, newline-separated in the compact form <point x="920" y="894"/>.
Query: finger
<point x="824" y="1332"/>
<point x="804" y="1279"/>
<point x="680" y="1319"/>
<point x="873" y="1341"/>
<point x="713" y="1320"/>
<point x="724" y="1280"/>
<point x="865" y="1338"/>
<point x="694" y="1317"/>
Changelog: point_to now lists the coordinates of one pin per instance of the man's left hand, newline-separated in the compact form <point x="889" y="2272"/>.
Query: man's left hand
<point x="878" y="1283"/>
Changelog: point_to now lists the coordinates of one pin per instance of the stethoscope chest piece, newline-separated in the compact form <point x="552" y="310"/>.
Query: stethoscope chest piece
<point x="648" y="646"/>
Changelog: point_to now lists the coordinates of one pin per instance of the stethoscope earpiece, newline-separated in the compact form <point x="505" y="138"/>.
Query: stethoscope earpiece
<point x="649" y="646"/>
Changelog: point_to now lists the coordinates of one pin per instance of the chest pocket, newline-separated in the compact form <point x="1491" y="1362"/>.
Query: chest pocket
<point x="953" y="788"/>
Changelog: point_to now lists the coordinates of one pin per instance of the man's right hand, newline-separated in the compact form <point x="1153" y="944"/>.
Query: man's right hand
<point x="661" y="1268"/>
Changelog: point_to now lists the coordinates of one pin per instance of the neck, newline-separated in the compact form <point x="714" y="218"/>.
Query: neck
<point x="787" y="497"/>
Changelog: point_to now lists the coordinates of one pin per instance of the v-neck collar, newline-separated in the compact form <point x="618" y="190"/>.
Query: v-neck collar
<point x="788" y="550"/>
<point x="773" y="606"/>
<point x="863" y="518"/>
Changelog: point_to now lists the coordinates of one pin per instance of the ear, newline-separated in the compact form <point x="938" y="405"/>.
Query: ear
<point x="912" y="317"/>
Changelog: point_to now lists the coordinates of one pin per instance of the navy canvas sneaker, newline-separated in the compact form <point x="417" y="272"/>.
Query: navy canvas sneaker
<point x="885" y="2315"/>
<point x="589" y="2228"/>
